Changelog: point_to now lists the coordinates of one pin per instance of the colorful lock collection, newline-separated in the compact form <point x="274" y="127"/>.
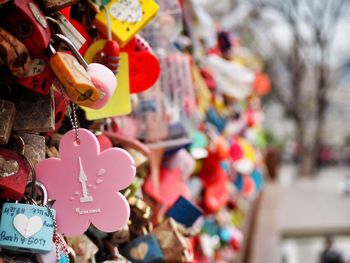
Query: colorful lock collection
<point x="121" y="139"/>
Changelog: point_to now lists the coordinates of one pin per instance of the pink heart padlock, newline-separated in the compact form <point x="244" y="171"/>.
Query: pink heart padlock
<point x="104" y="80"/>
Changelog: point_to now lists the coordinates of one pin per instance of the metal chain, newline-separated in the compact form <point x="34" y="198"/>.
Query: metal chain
<point x="71" y="107"/>
<point x="57" y="242"/>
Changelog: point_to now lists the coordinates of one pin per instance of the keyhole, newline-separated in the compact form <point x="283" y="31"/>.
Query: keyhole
<point x="24" y="29"/>
<point x="86" y="95"/>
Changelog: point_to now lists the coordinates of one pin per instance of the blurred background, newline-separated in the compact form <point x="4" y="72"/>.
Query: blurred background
<point x="305" y="46"/>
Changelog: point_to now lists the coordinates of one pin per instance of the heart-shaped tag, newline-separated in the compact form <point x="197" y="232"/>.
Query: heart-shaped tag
<point x="27" y="226"/>
<point x="139" y="252"/>
<point x="144" y="67"/>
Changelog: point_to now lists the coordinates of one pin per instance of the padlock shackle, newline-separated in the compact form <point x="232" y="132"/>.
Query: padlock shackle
<point x="36" y="184"/>
<point x="43" y="190"/>
<point x="72" y="48"/>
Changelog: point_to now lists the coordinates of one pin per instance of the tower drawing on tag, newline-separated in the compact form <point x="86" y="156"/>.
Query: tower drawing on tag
<point x="83" y="178"/>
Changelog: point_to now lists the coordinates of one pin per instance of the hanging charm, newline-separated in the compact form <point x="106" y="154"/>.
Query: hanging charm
<point x="85" y="184"/>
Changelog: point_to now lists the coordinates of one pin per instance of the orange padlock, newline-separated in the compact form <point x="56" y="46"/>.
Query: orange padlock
<point x="73" y="75"/>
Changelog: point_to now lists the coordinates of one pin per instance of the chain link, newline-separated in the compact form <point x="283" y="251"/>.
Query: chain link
<point x="56" y="238"/>
<point x="71" y="107"/>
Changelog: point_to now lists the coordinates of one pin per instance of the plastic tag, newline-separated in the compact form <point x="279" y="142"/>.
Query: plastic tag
<point x="120" y="103"/>
<point x="85" y="183"/>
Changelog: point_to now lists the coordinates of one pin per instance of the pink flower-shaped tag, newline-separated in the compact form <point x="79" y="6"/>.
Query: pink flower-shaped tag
<point x="85" y="184"/>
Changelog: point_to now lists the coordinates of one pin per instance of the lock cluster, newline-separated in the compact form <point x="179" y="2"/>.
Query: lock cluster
<point x="124" y="136"/>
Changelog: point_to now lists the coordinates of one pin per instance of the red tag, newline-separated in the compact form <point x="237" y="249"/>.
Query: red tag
<point x="39" y="78"/>
<point x="217" y="195"/>
<point x="211" y="169"/>
<point x="105" y="142"/>
<point x="170" y="187"/>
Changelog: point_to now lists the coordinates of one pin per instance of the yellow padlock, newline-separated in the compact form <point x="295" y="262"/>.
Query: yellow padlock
<point x="73" y="76"/>
<point x="127" y="17"/>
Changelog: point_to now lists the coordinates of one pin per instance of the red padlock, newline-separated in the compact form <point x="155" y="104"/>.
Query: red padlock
<point x="217" y="195"/>
<point x="26" y="21"/>
<point x="14" y="173"/>
<point x="40" y="76"/>
<point x="144" y="67"/>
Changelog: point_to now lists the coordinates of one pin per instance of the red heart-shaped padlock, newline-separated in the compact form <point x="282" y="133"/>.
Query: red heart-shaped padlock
<point x="14" y="172"/>
<point x="144" y="67"/>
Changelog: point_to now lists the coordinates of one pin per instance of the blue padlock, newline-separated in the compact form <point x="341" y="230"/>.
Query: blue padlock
<point x="28" y="227"/>
<point x="144" y="249"/>
<point x="184" y="212"/>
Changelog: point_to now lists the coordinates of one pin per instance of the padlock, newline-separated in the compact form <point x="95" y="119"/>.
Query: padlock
<point x="7" y="119"/>
<point x="87" y="85"/>
<point x="171" y="241"/>
<point x="184" y="212"/>
<point x="35" y="112"/>
<point x="35" y="149"/>
<point x="28" y="227"/>
<point x="39" y="77"/>
<point x="14" y="54"/>
<point x="25" y="21"/>
<point x="143" y="249"/>
<point x="14" y="172"/>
